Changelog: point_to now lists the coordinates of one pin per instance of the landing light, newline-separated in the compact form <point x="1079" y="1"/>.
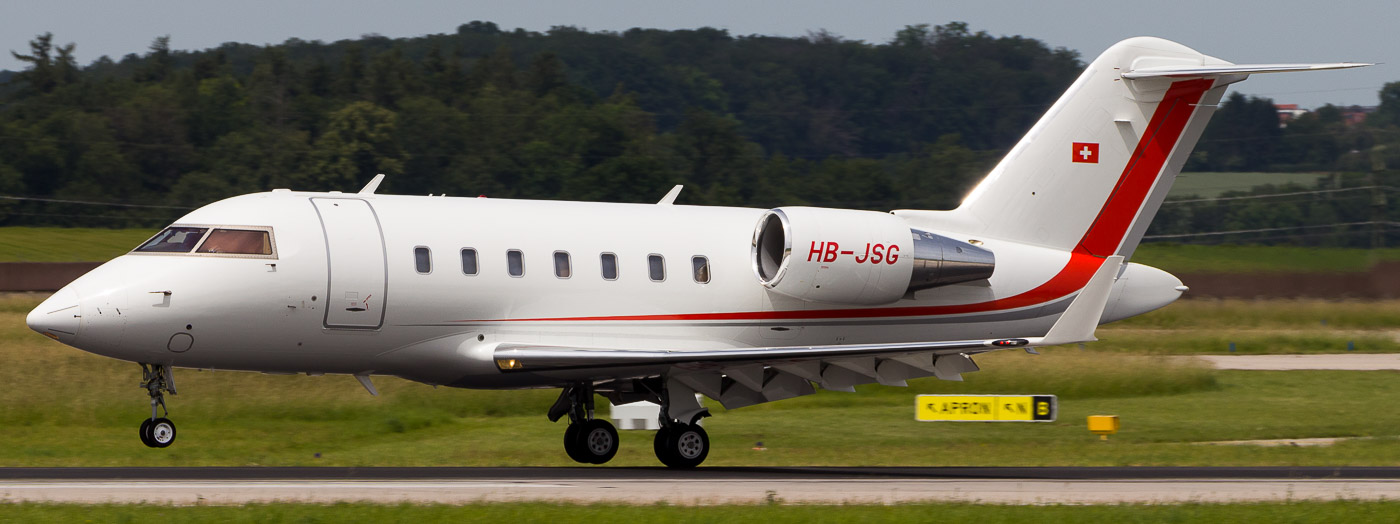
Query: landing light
<point x="509" y="363"/>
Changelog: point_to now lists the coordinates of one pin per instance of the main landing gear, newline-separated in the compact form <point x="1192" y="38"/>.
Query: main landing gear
<point x="587" y="440"/>
<point x="681" y="444"/>
<point x="157" y="432"/>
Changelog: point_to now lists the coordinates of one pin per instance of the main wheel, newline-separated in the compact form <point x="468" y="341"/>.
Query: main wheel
<point x="658" y="443"/>
<point x="145" y="433"/>
<point x="684" y="447"/>
<point x="596" y="441"/>
<point x="158" y="433"/>
<point x="573" y="445"/>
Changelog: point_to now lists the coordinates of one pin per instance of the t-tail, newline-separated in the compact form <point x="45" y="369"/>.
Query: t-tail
<point x="1090" y="175"/>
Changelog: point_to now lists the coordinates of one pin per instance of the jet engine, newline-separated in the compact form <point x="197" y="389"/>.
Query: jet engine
<point x="857" y="257"/>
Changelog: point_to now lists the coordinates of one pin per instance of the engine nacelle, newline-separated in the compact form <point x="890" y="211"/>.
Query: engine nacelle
<point x="857" y="257"/>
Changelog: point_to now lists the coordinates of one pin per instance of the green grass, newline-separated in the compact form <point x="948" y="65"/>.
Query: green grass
<point x="54" y="244"/>
<point x="1181" y="258"/>
<point x="1210" y="184"/>
<point x="1312" y="315"/>
<point x="1292" y="512"/>
<point x="1257" y="327"/>
<point x="63" y="407"/>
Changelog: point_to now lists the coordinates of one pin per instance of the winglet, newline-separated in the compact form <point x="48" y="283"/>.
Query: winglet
<point x="670" y="197"/>
<point x="1077" y="324"/>
<point x="373" y="185"/>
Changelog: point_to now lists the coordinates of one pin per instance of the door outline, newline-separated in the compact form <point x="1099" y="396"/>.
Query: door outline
<point x="384" y="259"/>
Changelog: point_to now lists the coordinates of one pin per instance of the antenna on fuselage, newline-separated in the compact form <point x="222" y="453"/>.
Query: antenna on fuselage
<point x="373" y="185"/>
<point x="670" y="197"/>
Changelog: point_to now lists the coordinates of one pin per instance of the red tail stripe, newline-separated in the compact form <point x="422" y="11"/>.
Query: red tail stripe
<point x="1161" y="136"/>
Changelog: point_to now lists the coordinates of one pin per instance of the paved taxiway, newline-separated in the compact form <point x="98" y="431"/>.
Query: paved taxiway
<point x="701" y="486"/>
<point x="1346" y="362"/>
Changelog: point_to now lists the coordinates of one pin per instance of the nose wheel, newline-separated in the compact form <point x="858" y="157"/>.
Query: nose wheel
<point x="157" y="431"/>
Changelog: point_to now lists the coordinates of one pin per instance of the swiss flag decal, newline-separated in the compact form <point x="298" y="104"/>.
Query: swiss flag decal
<point x="1086" y="152"/>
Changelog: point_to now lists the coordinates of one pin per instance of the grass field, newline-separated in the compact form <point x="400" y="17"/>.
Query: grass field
<point x="1211" y="184"/>
<point x="53" y="244"/>
<point x="1179" y="258"/>
<point x="1291" y="512"/>
<point x="63" y="407"/>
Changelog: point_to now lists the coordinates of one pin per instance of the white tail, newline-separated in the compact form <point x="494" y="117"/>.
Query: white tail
<point x="1090" y="175"/>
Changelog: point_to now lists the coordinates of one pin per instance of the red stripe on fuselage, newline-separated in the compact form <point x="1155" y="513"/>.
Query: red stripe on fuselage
<point x="1163" y="132"/>
<point x="1070" y="279"/>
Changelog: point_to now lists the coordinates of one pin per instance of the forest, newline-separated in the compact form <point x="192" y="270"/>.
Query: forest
<point x="622" y="116"/>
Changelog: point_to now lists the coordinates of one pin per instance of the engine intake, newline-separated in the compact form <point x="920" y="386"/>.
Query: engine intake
<point x="857" y="257"/>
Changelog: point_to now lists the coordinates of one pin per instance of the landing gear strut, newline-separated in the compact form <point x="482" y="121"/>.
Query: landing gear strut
<point x="157" y="432"/>
<point x="587" y="440"/>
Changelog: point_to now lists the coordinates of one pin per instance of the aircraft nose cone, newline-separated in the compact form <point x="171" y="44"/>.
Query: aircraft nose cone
<point x="59" y="317"/>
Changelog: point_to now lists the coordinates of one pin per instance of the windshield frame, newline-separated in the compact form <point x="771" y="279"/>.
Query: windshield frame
<point x="209" y="229"/>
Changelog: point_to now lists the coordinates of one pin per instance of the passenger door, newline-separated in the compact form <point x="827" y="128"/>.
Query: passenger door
<point x="357" y="265"/>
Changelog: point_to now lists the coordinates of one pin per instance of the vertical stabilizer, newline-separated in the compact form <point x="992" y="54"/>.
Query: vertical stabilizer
<point x="1092" y="172"/>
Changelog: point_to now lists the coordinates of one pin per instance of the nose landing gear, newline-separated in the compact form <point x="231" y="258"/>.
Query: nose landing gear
<point x="157" y="432"/>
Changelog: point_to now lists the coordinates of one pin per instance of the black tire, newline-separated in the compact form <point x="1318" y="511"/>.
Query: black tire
<point x="161" y="433"/>
<point x="573" y="445"/>
<point x="597" y="441"/>
<point x="658" y="444"/>
<point x="686" y="447"/>
<point x="145" y="433"/>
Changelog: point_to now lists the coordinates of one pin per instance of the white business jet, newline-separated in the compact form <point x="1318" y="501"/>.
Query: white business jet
<point x="659" y="302"/>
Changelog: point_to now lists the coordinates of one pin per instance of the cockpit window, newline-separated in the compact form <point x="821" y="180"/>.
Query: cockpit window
<point x="237" y="242"/>
<point x="212" y="241"/>
<point x="173" y="240"/>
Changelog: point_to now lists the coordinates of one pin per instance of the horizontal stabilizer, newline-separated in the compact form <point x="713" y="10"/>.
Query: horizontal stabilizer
<point x="1233" y="69"/>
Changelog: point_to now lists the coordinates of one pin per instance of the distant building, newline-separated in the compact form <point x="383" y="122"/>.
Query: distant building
<point x="1351" y="115"/>
<point x="1287" y="112"/>
<point x="1356" y="115"/>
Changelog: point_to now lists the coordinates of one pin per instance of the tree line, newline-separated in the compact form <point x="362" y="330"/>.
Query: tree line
<point x="570" y="114"/>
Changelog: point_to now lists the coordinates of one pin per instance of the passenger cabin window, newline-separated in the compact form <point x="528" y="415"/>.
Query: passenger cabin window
<point x="173" y="240"/>
<point x="701" y="269"/>
<point x="562" y="268"/>
<point x="656" y="266"/>
<point x="515" y="263"/>
<point x="423" y="260"/>
<point x="609" y="261"/>
<point x="468" y="261"/>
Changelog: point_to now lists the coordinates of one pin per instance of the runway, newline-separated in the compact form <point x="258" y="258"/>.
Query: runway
<point x="183" y="486"/>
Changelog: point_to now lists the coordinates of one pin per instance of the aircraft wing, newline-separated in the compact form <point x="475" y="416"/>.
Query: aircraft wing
<point x="744" y="376"/>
